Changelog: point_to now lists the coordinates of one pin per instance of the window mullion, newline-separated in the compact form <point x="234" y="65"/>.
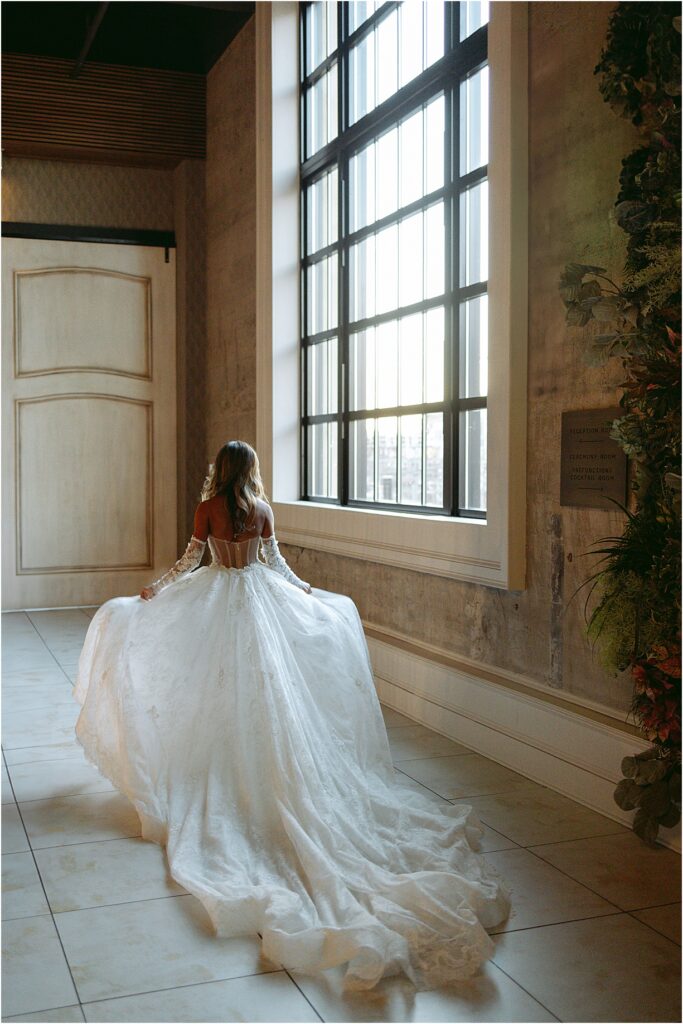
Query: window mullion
<point x="343" y="290"/>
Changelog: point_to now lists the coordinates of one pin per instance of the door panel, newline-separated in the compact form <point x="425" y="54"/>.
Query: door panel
<point x="89" y="454"/>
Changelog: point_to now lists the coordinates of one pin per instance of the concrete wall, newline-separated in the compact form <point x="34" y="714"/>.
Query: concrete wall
<point x="576" y="145"/>
<point x="231" y="245"/>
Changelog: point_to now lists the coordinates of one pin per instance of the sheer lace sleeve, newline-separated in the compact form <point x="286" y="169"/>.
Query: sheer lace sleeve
<point x="274" y="560"/>
<point x="188" y="561"/>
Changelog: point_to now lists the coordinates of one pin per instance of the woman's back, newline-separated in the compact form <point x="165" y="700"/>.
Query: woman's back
<point x="228" y="548"/>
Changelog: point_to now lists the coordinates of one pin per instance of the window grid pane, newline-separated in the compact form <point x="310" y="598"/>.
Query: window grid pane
<point x="379" y="308"/>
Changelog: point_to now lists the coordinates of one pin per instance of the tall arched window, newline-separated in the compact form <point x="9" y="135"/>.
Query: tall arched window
<point x="394" y="255"/>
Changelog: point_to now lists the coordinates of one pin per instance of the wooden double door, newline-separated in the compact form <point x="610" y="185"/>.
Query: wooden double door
<point x="88" y="420"/>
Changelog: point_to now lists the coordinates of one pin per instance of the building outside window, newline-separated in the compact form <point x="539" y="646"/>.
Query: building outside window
<point x="394" y="243"/>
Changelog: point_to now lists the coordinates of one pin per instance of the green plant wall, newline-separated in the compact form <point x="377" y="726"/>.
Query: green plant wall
<point x="635" y="621"/>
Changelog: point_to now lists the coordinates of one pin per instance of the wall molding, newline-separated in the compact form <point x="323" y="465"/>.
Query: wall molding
<point x="569" y="746"/>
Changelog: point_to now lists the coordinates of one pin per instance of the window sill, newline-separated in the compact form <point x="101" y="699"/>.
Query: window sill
<point x="464" y="549"/>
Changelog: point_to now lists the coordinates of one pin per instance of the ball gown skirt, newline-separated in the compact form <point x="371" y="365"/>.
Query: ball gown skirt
<point x="239" y="715"/>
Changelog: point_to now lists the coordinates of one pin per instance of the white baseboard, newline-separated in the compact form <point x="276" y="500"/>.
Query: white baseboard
<point x="558" y="747"/>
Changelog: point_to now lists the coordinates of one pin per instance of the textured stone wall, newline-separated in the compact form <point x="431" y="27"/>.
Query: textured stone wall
<point x="576" y="145"/>
<point x="231" y="245"/>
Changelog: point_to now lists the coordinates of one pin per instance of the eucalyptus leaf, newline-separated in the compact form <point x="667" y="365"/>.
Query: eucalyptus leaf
<point x="648" y="772"/>
<point x="670" y="817"/>
<point x="627" y="794"/>
<point x="645" y="826"/>
<point x="655" y="800"/>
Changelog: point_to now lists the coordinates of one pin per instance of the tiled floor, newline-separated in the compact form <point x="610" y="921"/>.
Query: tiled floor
<point x="95" y="930"/>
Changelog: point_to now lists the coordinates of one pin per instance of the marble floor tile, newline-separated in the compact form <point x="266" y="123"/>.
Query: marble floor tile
<point x="69" y="749"/>
<point x="62" y="1015"/>
<point x="405" y="780"/>
<point x="29" y="644"/>
<point x="539" y="815"/>
<point x="154" y="944"/>
<point x="22" y="892"/>
<point x="44" y="780"/>
<point x="13" y="836"/>
<point x="264" y="997"/>
<point x="490" y="996"/>
<point x="53" y="675"/>
<point x="14" y="623"/>
<point x="104" y="873"/>
<point x="35" y="657"/>
<point x="42" y="725"/>
<point x="605" y="969"/>
<point x="7" y="794"/>
<point x="665" y="920"/>
<point x="542" y="895"/>
<point x="392" y="718"/>
<point x="620" y="868"/>
<point x="90" y="817"/>
<point x="59" y="621"/>
<point x="30" y="698"/>
<point x="462" y="775"/>
<point x="35" y="973"/>
<point x="412" y="742"/>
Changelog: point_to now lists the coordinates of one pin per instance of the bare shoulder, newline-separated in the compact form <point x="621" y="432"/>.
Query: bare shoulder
<point x="267" y="513"/>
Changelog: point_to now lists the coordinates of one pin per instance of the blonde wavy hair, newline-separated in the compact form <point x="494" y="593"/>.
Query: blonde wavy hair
<point x="235" y="473"/>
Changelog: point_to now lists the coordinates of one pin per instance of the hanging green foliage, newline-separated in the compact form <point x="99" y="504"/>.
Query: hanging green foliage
<point x="636" y="621"/>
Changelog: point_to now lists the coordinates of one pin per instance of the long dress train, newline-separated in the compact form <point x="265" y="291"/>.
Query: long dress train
<point x="239" y="716"/>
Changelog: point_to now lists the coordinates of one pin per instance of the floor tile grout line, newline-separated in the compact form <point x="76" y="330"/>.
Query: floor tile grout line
<point x="60" y="796"/>
<point x="551" y="924"/>
<point x="52" y="917"/>
<point x="64" y="846"/>
<point x="48" y="648"/>
<point x="579" y="839"/>
<point x="530" y="994"/>
<point x="632" y="913"/>
<point x="567" y="875"/>
<point x="123" y="903"/>
<point x="298" y="987"/>
<point x="189" y="984"/>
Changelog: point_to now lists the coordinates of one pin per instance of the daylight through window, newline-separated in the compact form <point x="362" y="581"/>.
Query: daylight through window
<point x="394" y="208"/>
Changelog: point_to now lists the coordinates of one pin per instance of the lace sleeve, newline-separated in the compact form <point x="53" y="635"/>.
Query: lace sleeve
<point x="188" y="561"/>
<point x="274" y="560"/>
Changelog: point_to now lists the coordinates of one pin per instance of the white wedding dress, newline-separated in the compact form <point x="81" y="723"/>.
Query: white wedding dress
<point x="239" y="715"/>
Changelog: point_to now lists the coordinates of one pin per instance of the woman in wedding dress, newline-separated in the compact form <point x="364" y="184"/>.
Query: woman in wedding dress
<point x="234" y="706"/>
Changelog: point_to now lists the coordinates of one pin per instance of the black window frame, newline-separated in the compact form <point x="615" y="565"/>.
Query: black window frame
<point x="461" y="59"/>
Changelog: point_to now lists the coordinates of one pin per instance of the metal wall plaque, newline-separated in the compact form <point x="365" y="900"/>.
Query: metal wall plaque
<point x="594" y="467"/>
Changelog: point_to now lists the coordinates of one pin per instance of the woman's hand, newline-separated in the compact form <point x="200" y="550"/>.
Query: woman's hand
<point x="147" y="593"/>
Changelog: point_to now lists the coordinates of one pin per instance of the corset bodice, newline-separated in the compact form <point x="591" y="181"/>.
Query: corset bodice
<point x="233" y="554"/>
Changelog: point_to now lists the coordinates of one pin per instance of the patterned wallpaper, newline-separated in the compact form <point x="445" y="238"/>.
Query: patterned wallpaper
<point x="63" y="192"/>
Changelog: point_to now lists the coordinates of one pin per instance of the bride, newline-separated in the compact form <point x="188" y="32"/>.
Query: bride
<point x="234" y="706"/>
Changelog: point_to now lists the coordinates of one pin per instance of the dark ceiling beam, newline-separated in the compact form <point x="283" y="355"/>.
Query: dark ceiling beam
<point x="235" y="6"/>
<point x="89" y="39"/>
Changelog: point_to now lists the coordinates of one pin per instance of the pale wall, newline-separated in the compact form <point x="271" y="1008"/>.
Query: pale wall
<point x="576" y="144"/>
